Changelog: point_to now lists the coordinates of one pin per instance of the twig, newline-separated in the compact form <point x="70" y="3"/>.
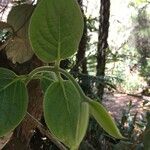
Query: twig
<point x="47" y="133"/>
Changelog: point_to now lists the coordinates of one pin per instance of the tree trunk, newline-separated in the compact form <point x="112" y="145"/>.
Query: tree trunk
<point x="81" y="61"/>
<point x="102" y="43"/>
<point x="80" y="56"/>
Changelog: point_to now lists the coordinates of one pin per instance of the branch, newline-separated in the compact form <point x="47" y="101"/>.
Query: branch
<point x="47" y="133"/>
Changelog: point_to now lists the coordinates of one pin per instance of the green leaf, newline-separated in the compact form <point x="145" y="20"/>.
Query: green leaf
<point x="104" y="119"/>
<point x="82" y="122"/>
<point x="56" y="29"/>
<point x="6" y="77"/>
<point x="19" y="49"/>
<point x="61" y="111"/>
<point x="47" y="79"/>
<point x="13" y="101"/>
<point x="19" y="16"/>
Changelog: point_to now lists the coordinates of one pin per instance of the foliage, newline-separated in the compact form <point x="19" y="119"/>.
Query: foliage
<point x="133" y="125"/>
<point x="135" y="128"/>
<point x="99" y="113"/>
<point x="14" y="101"/>
<point x="18" y="49"/>
<point x="53" y="32"/>
<point x="128" y="57"/>
<point x="59" y="100"/>
<point x="53" y="25"/>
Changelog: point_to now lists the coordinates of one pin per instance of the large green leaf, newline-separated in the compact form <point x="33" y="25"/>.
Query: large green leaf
<point x="13" y="101"/>
<point x="61" y="111"/>
<point x="104" y="119"/>
<point x="56" y="29"/>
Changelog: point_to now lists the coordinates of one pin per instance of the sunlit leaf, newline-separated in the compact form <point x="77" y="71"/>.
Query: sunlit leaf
<point x="61" y="111"/>
<point x="104" y="119"/>
<point x="56" y="29"/>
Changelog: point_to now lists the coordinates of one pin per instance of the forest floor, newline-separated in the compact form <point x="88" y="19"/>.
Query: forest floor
<point x="115" y="104"/>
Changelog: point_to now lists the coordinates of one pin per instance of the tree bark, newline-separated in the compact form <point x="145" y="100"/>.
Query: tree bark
<point x="102" y="43"/>
<point x="80" y="56"/>
<point x="81" y="61"/>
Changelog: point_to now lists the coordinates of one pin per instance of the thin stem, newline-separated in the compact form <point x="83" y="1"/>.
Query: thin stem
<point x="56" y="70"/>
<point x="36" y="71"/>
<point x="40" y="70"/>
<point x="69" y="76"/>
<point x="57" y="64"/>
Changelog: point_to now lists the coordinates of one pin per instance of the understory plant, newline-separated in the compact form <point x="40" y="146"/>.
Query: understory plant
<point x="55" y="30"/>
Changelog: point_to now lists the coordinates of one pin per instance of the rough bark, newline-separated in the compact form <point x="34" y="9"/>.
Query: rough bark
<point x="80" y="56"/>
<point x="81" y="61"/>
<point x="102" y="43"/>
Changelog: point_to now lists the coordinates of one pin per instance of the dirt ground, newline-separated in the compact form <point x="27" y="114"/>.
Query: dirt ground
<point x="116" y="103"/>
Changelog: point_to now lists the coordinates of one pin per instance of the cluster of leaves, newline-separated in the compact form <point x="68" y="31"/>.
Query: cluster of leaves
<point x="142" y="42"/>
<point x="55" y="31"/>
